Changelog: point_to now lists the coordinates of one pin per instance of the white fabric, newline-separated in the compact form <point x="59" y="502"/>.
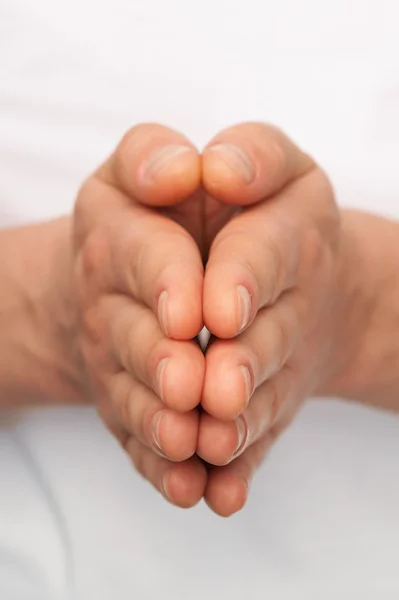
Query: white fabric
<point x="323" y="517"/>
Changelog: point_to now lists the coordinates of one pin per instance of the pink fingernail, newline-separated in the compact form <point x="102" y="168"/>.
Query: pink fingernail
<point x="164" y="487"/>
<point x="160" y="376"/>
<point x="248" y="383"/>
<point x="246" y="484"/>
<point x="245" y="304"/>
<point x="155" y="424"/>
<point x="242" y="430"/>
<point x="161" y="159"/>
<point x="237" y="159"/>
<point x="163" y="311"/>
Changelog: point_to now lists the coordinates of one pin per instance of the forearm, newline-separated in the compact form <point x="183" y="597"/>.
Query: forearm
<point x="37" y="356"/>
<point x="371" y="265"/>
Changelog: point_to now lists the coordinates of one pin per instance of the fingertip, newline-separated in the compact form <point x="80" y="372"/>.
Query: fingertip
<point x="249" y="162"/>
<point x="184" y="484"/>
<point x="227" y="172"/>
<point x="154" y="165"/>
<point x="229" y="300"/>
<point x="170" y="175"/>
<point x="226" y="493"/>
<point x="179" y="296"/>
<point x="177" y="434"/>
<point x="220" y="311"/>
<point x="183" y="378"/>
<point x="226" y="393"/>
<point x="179" y="320"/>
<point x="217" y="440"/>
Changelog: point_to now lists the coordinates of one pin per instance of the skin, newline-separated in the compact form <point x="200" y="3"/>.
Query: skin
<point x="300" y="298"/>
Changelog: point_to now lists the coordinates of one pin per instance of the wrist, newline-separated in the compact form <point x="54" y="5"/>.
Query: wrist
<point x="367" y="349"/>
<point x="40" y="362"/>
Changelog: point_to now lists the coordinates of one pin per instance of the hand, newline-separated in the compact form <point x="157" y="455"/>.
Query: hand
<point x="139" y="276"/>
<point x="293" y="228"/>
<point x="276" y="296"/>
<point x="322" y="313"/>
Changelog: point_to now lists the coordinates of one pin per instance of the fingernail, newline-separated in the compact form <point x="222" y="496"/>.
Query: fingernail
<point x="244" y="300"/>
<point x="164" y="486"/>
<point x="163" y="311"/>
<point x="155" y="423"/>
<point x="237" y="159"/>
<point x="242" y="431"/>
<point x="161" y="159"/>
<point x="161" y="378"/>
<point x="248" y="382"/>
<point x="246" y="484"/>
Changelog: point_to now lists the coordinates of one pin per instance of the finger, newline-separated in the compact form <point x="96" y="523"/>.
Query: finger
<point x="132" y="336"/>
<point x="126" y="247"/>
<point x="264" y="252"/>
<point x="227" y="488"/>
<point x="154" y="165"/>
<point x="146" y="256"/>
<point x="182" y="483"/>
<point x="123" y="179"/>
<point x="248" y="162"/>
<point x="220" y="442"/>
<point x="170" y="434"/>
<point x="235" y="368"/>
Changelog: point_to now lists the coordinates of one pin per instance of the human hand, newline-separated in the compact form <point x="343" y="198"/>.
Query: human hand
<point x="275" y="299"/>
<point x="292" y="227"/>
<point x="139" y="277"/>
<point x="324" y="282"/>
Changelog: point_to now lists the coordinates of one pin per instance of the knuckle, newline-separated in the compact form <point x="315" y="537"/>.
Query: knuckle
<point x="316" y="253"/>
<point x="93" y="324"/>
<point x="89" y="359"/>
<point x="94" y="358"/>
<point x="94" y="255"/>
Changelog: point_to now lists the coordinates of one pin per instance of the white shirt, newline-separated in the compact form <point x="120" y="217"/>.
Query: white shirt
<point x="323" y="518"/>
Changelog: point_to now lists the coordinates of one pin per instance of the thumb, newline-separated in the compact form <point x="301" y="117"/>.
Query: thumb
<point x="251" y="162"/>
<point x="153" y="165"/>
